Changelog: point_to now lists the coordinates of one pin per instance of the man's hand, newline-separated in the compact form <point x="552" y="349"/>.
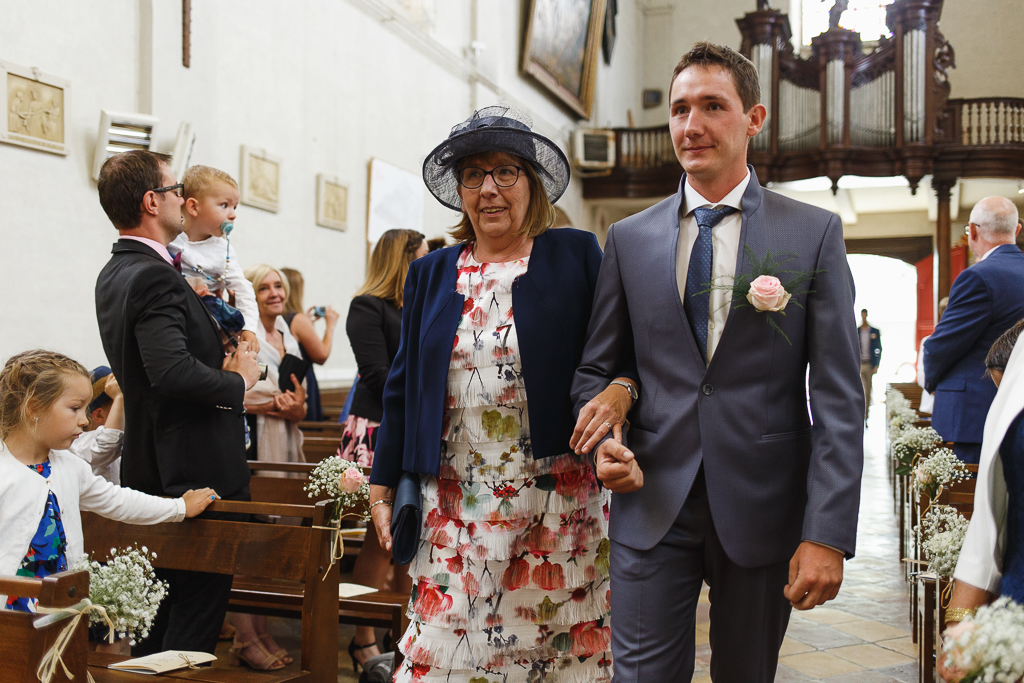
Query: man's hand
<point x="196" y="501"/>
<point x="815" y="575"/>
<point x="250" y="337"/>
<point x="604" y="413"/>
<point x="243" y="361"/>
<point x="617" y="468"/>
<point x="874" y="370"/>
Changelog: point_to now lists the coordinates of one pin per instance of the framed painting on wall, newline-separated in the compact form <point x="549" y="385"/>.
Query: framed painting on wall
<point x="36" y="105"/>
<point x="331" y="202"/>
<point x="560" y="51"/>
<point x="260" y="178"/>
<point x="396" y="200"/>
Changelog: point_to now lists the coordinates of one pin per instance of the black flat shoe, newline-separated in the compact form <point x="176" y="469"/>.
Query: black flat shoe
<point x="378" y="669"/>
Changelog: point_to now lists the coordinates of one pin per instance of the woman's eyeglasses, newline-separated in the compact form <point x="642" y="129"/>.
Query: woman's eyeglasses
<point x="472" y="177"/>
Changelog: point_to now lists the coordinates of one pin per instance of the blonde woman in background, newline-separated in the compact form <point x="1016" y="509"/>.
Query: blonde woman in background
<point x="313" y="348"/>
<point x="374" y="326"/>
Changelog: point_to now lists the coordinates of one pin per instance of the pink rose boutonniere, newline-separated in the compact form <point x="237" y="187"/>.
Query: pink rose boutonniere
<point x="766" y="293"/>
<point x="764" y="288"/>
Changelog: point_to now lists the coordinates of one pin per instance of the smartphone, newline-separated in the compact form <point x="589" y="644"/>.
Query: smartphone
<point x="319" y="311"/>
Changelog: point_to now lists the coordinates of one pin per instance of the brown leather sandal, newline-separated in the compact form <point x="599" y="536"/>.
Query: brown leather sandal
<point x="268" y="663"/>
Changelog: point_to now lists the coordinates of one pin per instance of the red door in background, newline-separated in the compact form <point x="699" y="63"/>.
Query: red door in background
<point x="926" y="292"/>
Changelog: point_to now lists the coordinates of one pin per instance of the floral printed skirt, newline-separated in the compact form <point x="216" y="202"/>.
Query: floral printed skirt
<point x="359" y="440"/>
<point x="511" y="580"/>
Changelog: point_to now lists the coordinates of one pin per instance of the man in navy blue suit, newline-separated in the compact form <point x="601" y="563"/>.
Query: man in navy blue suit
<point x="985" y="301"/>
<point x="870" y="356"/>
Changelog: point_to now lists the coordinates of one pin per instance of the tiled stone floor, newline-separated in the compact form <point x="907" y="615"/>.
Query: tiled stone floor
<point x="863" y="636"/>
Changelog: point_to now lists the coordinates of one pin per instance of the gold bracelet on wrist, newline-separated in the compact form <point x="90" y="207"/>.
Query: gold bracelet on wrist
<point x="382" y="501"/>
<point x="957" y="614"/>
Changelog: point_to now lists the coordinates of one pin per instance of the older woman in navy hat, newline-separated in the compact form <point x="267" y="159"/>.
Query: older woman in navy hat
<point x="511" y="572"/>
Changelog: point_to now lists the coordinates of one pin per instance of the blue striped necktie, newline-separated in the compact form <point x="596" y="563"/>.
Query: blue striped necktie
<point x="698" y="274"/>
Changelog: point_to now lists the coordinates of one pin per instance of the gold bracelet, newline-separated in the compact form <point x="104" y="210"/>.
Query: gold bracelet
<point x="384" y="501"/>
<point x="957" y="614"/>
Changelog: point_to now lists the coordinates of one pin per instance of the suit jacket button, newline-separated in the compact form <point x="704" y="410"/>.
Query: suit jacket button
<point x="708" y="389"/>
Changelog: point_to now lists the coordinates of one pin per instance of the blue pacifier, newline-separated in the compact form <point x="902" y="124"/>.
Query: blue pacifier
<point x="226" y="227"/>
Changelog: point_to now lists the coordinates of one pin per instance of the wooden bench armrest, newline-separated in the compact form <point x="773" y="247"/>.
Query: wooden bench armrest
<point x="57" y="590"/>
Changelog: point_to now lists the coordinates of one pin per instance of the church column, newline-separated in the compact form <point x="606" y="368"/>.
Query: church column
<point x="942" y="235"/>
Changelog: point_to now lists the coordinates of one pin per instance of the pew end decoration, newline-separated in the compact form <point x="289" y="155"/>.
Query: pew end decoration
<point x="940" y="469"/>
<point x="345" y="484"/>
<point x="989" y="645"/>
<point x="942" y="532"/>
<point x="911" y="445"/>
<point x="127" y="588"/>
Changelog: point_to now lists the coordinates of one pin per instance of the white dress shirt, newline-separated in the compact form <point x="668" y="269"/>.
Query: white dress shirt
<point x="725" y="240"/>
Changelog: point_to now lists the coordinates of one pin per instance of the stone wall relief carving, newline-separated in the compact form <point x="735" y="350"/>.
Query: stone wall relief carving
<point x="260" y="176"/>
<point x="35" y="104"/>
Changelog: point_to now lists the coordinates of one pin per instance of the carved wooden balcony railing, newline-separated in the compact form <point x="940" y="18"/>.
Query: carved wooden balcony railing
<point x="844" y="112"/>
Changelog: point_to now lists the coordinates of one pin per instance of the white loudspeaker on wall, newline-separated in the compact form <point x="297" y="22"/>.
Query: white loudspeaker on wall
<point x="121" y="132"/>
<point x="594" y="148"/>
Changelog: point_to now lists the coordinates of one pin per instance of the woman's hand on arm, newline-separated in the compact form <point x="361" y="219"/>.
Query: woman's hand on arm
<point x="605" y="412"/>
<point x="381" y="514"/>
<point x="965" y="596"/>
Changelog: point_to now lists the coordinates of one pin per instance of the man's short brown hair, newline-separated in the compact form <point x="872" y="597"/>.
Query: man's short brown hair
<point x="999" y="355"/>
<point x="125" y="179"/>
<point x="743" y="71"/>
<point x="198" y="180"/>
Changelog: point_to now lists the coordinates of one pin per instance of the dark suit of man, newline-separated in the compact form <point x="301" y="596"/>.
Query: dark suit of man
<point x="985" y="301"/>
<point x="735" y="475"/>
<point x="870" y="357"/>
<point x="183" y="416"/>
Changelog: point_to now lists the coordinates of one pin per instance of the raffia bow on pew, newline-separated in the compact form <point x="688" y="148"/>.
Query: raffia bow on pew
<point x="344" y="482"/>
<point x="54" y="656"/>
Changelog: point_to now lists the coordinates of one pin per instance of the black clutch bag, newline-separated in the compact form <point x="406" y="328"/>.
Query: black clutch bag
<point x="406" y="519"/>
<point x="291" y="365"/>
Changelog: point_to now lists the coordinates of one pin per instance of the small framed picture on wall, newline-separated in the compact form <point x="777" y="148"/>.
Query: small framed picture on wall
<point x="331" y="202"/>
<point x="260" y="177"/>
<point x="36" y="105"/>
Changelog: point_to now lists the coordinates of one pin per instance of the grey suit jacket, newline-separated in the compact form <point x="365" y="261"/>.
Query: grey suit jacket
<point x="773" y="479"/>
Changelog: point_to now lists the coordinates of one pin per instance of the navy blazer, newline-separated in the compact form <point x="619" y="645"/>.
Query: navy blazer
<point x="984" y="302"/>
<point x="552" y="303"/>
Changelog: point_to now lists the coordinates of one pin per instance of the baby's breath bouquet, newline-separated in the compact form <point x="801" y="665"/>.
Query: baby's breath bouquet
<point x="899" y="415"/>
<point x="940" y="469"/>
<point x="989" y="647"/>
<point x="127" y="588"/>
<point x="911" y="443"/>
<point x="342" y="481"/>
<point x="942" y="532"/>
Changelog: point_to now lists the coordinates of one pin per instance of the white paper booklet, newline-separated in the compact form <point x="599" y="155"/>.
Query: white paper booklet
<point x="351" y="590"/>
<point x="162" y="662"/>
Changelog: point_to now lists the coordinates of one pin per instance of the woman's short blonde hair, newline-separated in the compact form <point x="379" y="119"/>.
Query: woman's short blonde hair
<point x="540" y="214"/>
<point x="256" y="274"/>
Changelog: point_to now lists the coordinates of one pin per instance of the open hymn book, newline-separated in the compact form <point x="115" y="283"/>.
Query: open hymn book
<point x="162" y="662"/>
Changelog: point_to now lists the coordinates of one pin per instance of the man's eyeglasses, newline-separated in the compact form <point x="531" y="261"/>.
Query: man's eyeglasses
<point x="178" y="190"/>
<point x="967" y="229"/>
<point x="472" y="177"/>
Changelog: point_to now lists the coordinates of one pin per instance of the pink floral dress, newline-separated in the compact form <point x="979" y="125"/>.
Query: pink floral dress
<point x="512" y="581"/>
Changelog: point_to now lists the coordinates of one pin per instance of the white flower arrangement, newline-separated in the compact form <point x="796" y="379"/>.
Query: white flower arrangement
<point x="940" y="469"/>
<point x="127" y="588"/>
<point x="942" y="532"/>
<point x="911" y="443"/>
<point x="989" y="647"/>
<point x="342" y="481"/>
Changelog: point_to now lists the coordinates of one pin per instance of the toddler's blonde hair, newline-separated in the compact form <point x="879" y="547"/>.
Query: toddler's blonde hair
<point x="38" y="377"/>
<point x="198" y="180"/>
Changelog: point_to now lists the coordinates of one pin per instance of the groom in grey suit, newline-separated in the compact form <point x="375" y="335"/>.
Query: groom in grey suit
<point x="738" y="466"/>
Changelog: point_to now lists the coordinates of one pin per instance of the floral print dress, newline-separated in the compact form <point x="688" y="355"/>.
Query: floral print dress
<point x="511" y="579"/>
<point x="46" y="552"/>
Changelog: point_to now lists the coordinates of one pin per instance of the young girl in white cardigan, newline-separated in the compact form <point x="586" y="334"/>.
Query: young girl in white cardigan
<point x="43" y="408"/>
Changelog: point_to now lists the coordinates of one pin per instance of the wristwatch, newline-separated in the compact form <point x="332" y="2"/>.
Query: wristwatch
<point x="629" y="387"/>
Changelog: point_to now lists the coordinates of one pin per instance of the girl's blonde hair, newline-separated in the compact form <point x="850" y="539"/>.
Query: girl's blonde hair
<point x="256" y="274"/>
<point x="34" y="377"/>
<point x="389" y="264"/>
<point x="540" y="212"/>
<point x="296" y="288"/>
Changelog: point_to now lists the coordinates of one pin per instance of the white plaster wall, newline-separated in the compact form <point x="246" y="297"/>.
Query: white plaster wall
<point x="324" y="85"/>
